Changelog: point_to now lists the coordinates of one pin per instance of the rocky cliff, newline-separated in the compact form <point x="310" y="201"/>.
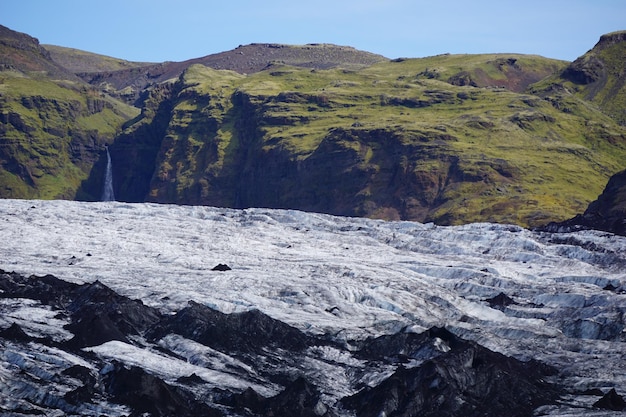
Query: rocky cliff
<point x="390" y="141"/>
<point x="607" y="213"/>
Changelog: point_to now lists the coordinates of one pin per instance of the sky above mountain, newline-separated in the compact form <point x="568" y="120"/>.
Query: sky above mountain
<point x="176" y="30"/>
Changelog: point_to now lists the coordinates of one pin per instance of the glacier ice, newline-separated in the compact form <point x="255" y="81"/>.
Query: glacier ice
<point x="346" y="279"/>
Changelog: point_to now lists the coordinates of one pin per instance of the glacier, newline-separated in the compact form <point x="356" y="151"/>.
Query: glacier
<point x="557" y="298"/>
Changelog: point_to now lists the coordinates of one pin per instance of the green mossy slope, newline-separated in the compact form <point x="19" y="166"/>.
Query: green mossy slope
<point x="390" y="141"/>
<point x="53" y="126"/>
<point x="599" y="76"/>
<point x="51" y="135"/>
<point x="450" y="138"/>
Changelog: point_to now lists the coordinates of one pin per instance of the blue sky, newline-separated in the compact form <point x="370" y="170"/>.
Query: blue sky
<point x="176" y="30"/>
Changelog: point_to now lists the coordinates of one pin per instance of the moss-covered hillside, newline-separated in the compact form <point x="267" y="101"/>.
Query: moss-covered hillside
<point x="450" y="138"/>
<point x="397" y="140"/>
<point x="53" y="126"/>
<point x="599" y="76"/>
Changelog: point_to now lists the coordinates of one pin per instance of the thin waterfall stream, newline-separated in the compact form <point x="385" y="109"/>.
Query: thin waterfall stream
<point x="107" y="191"/>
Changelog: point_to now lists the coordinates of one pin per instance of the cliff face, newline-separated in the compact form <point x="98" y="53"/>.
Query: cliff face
<point x="386" y="142"/>
<point x="607" y="212"/>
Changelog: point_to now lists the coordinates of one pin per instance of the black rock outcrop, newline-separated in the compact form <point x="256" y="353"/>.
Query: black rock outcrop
<point x="146" y="393"/>
<point x="221" y="267"/>
<point x="500" y="301"/>
<point x="607" y="213"/>
<point x="403" y="347"/>
<point x="468" y="380"/>
<point x="300" y="398"/>
<point x="100" y="315"/>
<point x="611" y="401"/>
<point x="245" y="332"/>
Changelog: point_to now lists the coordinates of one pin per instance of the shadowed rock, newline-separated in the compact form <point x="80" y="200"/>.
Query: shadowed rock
<point x="402" y="347"/>
<point x="47" y="289"/>
<point x="500" y="301"/>
<point x="607" y="213"/>
<point x="300" y="398"/>
<point x="146" y="393"/>
<point x="249" y="331"/>
<point x="221" y="267"/>
<point x="468" y="380"/>
<point x="611" y="401"/>
<point x="98" y="314"/>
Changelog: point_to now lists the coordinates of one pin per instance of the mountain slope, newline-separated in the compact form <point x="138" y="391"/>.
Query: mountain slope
<point x="598" y="75"/>
<point x="450" y="139"/>
<point x="317" y="315"/>
<point x="388" y="141"/>
<point x="21" y="52"/>
<point x="78" y="61"/>
<point x="52" y="125"/>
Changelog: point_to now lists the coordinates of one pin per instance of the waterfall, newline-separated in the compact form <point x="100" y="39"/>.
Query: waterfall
<point x="107" y="190"/>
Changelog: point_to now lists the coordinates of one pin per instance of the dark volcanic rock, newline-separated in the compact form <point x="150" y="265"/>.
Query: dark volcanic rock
<point x="402" y="347"/>
<point x="15" y="332"/>
<point x="85" y="393"/>
<point x="93" y="329"/>
<point x="300" y="398"/>
<point x="500" y="301"/>
<point x="147" y="393"/>
<point x="221" y="267"/>
<point x="607" y="213"/>
<point x="249" y="331"/>
<point x="48" y="289"/>
<point x="100" y="315"/>
<point x="468" y="380"/>
<point x="611" y="401"/>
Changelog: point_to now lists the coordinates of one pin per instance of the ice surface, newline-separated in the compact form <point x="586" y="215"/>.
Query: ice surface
<point x="348" y="277"/>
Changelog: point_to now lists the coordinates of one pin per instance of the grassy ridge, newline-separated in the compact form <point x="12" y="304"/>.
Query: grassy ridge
<point x="598" y="76"/>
